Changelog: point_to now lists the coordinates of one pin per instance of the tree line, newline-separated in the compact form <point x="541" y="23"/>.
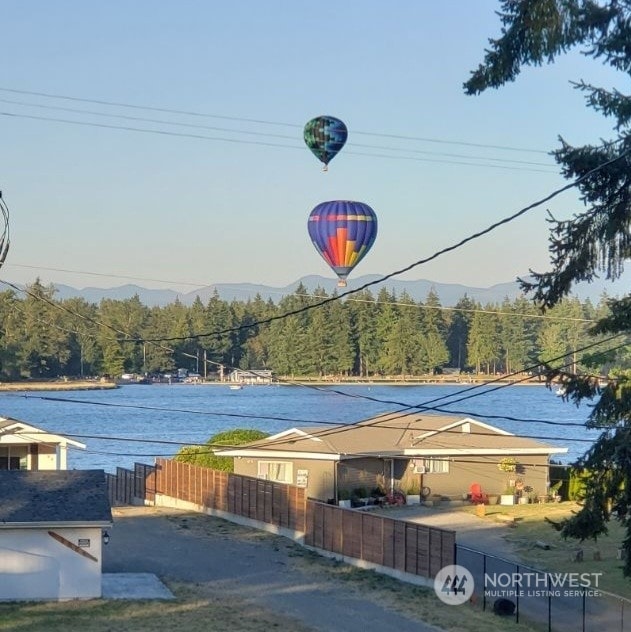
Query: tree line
<point x="363" y="335"/>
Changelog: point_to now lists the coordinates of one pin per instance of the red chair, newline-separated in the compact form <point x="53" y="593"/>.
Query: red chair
<point x="476" y="495"/>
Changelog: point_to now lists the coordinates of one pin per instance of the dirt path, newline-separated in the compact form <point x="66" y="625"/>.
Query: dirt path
<point x="253" y="566"/>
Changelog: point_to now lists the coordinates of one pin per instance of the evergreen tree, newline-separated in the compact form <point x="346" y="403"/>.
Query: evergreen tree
<point x="514" y="335"/>
<point x="482" y="345"/>
<point x="363" y="318"/>
<point x="433" y="345"/>
<point x="44" y="347"/>
<point x="596" y="238"/>
<point x="79" y="318"/>
<point x="10" y="335"/>
<point x="458" y="332"/>
<point x="391" y="358"/>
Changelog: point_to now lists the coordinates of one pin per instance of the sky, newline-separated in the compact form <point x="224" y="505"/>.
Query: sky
<point x="93" y="205"/>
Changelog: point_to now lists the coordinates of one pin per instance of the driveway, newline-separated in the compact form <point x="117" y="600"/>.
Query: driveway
<point x="471" y="531"/>
<point x="242" y="563"/>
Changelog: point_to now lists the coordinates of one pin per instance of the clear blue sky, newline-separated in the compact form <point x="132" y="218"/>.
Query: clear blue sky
<point x="203" y="211"/>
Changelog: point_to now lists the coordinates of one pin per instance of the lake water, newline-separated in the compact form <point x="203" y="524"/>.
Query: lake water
<point x="108" y="421"/>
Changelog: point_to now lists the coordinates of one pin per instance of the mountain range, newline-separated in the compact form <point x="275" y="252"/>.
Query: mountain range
<point x="449" y="293"/>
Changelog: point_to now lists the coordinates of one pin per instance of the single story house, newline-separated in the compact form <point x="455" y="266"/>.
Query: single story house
<point x="394" y="451"/>
<point x="51" y="534"/>
<point x="25" y="447"/>
<point x="250" y="376"/>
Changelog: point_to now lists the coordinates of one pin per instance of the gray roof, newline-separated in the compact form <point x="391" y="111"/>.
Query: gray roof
<point x="51" y="497"/>
<point x="399" y="434"/>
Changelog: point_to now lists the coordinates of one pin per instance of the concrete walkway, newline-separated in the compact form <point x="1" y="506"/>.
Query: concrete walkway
<point x="134" y="586"/>
<point x="471" y="531"/>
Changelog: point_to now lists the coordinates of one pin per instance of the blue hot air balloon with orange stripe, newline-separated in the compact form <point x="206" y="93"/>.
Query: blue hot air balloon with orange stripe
<point x="342" y="232"/>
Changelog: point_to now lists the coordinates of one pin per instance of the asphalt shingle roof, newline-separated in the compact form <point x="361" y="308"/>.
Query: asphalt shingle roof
<point x="53" y="497"/>
<point x="397" y="434"/>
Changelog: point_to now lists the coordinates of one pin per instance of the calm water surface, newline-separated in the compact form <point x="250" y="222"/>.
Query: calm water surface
<point x="187" y="414"/>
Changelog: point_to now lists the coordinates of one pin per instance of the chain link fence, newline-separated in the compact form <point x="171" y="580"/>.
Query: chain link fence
<point x="559" y="602"/>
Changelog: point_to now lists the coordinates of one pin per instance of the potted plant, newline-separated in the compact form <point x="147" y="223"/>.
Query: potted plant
<point x="508" y="496"/>
<point x="509" y="465"/>
<point x="530" y="493"/>
<point x="554" y="491"/>
<point x="344" y="498"/>
<point x="413" y="492"/>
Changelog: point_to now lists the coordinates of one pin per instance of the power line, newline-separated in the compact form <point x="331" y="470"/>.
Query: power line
<point x="128" y="128"/>
<point x="339" y="428"/>
<point x="328" y="423"/>
<point x="260" y="121"/>
<point x="376" y="302"/>
<point x="412" y="409"/>
<point x="266" y="134"/>
<point x="411" y="266"/>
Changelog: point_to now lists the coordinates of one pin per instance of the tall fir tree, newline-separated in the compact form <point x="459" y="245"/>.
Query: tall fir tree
<point x="596" y="240"/>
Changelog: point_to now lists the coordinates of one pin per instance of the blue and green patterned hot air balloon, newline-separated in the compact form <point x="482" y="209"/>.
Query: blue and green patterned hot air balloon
<point x="342" y="232"/>
<point x="325" y="136"/>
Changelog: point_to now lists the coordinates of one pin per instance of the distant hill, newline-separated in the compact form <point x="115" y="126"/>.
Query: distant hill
<point x="449" y="293"/>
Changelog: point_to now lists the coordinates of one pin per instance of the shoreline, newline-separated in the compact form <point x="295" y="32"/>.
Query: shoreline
<point x="75" y="385"/>
<point x="88" y="385"/>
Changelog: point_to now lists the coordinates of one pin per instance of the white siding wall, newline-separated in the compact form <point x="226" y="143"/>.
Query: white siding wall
<point x="51" y="458"/>
<point x="33" y="565"/>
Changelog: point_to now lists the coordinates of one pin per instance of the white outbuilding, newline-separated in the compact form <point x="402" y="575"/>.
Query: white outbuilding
<point x="52" y="526"/>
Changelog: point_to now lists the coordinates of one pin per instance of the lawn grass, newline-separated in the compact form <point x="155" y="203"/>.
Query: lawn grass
<point x="530" y="527"/>
<point x="193" y="610"/>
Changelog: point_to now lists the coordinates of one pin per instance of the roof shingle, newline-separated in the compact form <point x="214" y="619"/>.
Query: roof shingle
<point x="53" y="497"/>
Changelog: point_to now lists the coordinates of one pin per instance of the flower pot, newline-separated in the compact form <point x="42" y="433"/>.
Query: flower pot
<point x="413" y="499"/>
<point x="507" y="499"/>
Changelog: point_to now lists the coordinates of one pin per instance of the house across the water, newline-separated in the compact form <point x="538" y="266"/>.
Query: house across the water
<point x="25" y="447"/>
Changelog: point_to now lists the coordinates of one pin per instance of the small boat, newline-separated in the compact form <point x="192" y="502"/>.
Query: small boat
<point x="235" y="387"/>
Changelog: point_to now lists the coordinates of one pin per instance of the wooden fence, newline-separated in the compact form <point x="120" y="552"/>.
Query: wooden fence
<point x="275" y="503"/>
<point x="403" y="546"/>
<point x="130" y="487"/>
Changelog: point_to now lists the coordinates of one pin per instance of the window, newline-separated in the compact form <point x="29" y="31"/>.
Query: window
<point x="278" y="471"/>
<point x="436" y="466"/>
<point x="13" y="459"/>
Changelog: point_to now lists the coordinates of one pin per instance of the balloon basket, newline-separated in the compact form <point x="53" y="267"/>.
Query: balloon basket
<point x="341" y="283"/>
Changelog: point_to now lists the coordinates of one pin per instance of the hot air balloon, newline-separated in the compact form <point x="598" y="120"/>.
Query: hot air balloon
<point x="325" y="136"/>
<point x="342" y="232"/>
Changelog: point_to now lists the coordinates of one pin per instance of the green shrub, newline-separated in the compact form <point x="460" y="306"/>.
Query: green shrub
<point x="576" y="485"/>
<point x="204" y="456"/>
